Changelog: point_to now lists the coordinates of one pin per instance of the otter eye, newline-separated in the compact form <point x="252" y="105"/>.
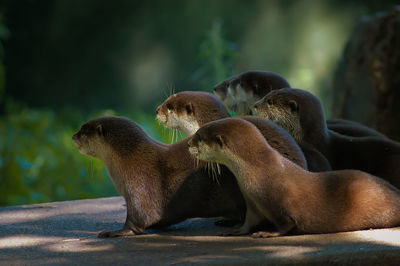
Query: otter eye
<point x="99" y="130"/>
<point x="294" y="107"/>
<point x="219" y="140"/>
<point x="270" y="102"/>
<point x="189" y="108"/>
<point x="169" y="106"/>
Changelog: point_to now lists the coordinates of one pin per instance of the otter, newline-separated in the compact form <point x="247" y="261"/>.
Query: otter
<point x="161" y="184"/>
<point x="187" y="111"/>
<point x="301" y="114"/>
<point x="239" y="93"/>
<point x="293" y="199"/>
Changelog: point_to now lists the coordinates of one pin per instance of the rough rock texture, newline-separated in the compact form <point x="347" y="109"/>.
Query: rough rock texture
<point x="367" y="81"/>
<point x="66" y="233"/>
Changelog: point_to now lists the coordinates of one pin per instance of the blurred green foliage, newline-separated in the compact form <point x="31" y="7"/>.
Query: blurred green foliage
<point x="39" y="163"/>
<point x="73" y="53"/>
<point x="219" y="56"/>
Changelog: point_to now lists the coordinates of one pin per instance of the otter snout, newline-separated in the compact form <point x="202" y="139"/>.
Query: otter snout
<point x="220" y="89"/>
<point x="75" y="137"/>
<point x="161" y="115"/>
<point x="193" y="149"/>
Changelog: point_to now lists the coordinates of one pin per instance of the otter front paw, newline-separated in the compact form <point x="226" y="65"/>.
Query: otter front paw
<point x="263" y="234"/>
<point x="118" y="233"/>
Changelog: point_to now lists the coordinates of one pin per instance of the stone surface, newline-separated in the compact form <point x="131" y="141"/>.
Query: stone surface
<point x="66" y="233"/>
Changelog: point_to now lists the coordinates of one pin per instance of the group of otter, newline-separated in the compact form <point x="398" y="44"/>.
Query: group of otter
<point x="284" y="170"/>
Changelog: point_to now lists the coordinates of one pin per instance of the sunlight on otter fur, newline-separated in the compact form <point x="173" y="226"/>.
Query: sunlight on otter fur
<point x="283" y="117"/>
<point x="200" y="153"/>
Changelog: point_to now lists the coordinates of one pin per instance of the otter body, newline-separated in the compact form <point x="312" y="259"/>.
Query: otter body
<point x="301" y="114"/>
<point x="160" y="183"/>
<point x="293" y="199"/>
<point x="189" y="110"/>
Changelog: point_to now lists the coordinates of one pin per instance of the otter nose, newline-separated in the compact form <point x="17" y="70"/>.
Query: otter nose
<point x="158" y="109"/>
<point x="75" y="136"/>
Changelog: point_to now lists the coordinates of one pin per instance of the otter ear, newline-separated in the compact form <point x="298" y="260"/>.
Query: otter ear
<point x="219" y="139"/>
<point x="293" y="106"/>
<point x="99" y="130"/>
<point x="189" y="108"/>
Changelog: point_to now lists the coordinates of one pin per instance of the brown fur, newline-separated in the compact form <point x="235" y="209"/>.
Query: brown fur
<point x="352" y="128"/>
<point x="301" y="114"/>
<point x="205" y="107"/>
<point x="294" y="199"/>
<point x="249" y="87"/>
<point x="160" y="183"/>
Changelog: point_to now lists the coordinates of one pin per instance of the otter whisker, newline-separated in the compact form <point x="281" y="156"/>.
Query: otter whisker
<point x="215" y="172"/>
<point x="218" y="168"/>
<point x="171" y="90"/>
<point x="176" y="135"/>
<point x="166" y="91"/>
<point x="173" y="136"/>
<point x="209" y="168"/>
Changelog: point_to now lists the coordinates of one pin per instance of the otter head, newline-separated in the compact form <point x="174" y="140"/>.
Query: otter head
<point x="297" y="111"/>
<point x="221" y="89"/>
<point x="177" y="112"/>
<point x="103" y="136"/>
<point x="224" y="141"/>
<point x="187" y="111"/>
<point x="240" y="92"/>
<point x="89" y="139"/>
<point x="233" y="96"/>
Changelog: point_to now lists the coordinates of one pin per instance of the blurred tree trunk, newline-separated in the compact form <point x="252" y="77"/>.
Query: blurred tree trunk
<point x="367" y="80"/>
